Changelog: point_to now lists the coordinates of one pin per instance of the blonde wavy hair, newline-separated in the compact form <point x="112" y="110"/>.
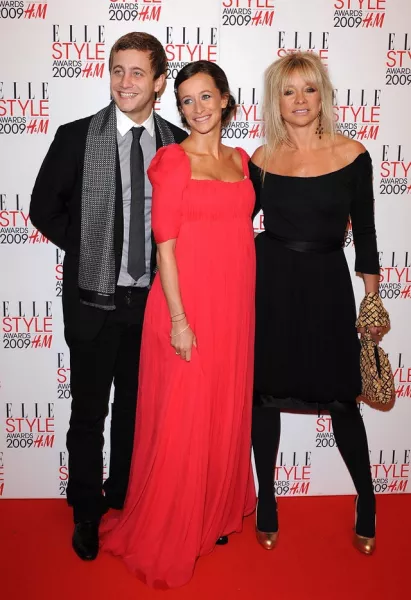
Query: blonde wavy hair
<point x="276" y="78"/>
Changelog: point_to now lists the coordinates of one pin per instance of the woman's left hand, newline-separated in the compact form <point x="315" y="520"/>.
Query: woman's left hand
<point x="376" y="332"/>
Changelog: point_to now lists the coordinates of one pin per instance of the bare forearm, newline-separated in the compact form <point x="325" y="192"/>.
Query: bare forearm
<point x="371" y="283"/>
<point x="168" y="271"/>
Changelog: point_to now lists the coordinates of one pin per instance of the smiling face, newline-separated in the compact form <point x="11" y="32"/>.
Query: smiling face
<point x="300" y="102"/>
<point x="201" y="103"/>
<point x="132" y="84"/>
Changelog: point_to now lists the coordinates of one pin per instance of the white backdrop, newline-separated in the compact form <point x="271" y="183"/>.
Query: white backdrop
<point x="54" y="70"/>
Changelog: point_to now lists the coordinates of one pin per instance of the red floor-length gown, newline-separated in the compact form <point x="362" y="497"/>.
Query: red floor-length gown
<point x="191" y="480"/>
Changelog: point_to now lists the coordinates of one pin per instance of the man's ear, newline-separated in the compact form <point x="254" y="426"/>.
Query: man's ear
<point x="160" y="84"/>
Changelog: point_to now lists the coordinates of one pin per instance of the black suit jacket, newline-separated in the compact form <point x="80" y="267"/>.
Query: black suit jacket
<point x="55" y="210"/>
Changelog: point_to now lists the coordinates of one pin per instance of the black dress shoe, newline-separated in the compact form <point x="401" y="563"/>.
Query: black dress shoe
<point x="85" y="539"/>
<point x="222" y="541"/>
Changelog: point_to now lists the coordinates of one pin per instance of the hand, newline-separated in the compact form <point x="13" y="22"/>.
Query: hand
<point x="376" y="332"/>
<point x="184" y="341"/>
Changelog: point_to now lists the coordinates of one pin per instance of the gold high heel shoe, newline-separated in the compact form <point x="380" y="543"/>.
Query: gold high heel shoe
<point x="268" y="540"/>
<point x="365" y="545"/>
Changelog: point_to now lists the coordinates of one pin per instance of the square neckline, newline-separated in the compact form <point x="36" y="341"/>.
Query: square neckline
<point x="243" y="163"/>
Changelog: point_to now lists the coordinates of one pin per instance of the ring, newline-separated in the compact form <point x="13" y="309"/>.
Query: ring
<point x="178" y="353"/>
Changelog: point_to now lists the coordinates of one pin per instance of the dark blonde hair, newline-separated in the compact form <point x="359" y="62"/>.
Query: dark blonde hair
<point x="276" y="78"/>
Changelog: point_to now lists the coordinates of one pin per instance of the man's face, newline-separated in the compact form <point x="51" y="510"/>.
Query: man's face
<point x="132" y="83"/>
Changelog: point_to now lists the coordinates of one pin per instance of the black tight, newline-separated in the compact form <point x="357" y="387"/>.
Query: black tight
<point x="266" y="432"/>
<point x="351" y="439"/>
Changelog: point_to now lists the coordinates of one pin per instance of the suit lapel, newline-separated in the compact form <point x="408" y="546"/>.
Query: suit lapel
<point x="159" y="141"/>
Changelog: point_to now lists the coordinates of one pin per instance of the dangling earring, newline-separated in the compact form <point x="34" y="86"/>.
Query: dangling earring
<point x="320" y="129"/>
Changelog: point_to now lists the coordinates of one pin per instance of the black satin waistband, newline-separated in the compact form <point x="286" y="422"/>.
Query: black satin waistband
<point x="300" y="246"/>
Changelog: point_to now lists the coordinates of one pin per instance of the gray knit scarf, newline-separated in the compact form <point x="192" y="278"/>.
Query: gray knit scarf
<point x="97" y="281"/>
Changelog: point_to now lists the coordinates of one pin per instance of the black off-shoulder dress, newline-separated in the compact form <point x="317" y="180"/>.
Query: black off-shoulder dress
<point x="307" y="348"/>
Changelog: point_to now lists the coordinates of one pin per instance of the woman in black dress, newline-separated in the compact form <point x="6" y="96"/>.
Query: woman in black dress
<point x="309" y="182"/>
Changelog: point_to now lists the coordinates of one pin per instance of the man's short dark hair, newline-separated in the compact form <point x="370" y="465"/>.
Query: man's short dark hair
<point x="144" y="42"/>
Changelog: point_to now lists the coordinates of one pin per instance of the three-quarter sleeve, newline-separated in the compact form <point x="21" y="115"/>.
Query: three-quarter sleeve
<point x="255" y="176"/>
<point x="169" y="173"/>
<point x="362" y="218"/>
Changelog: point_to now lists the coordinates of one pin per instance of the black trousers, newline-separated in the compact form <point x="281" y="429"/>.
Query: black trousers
<point x="112" y="357"/>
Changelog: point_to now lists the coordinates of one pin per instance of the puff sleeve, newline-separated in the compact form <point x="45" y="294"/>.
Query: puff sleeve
<point x="169" y="173"/>
<point x="362" y="218"/>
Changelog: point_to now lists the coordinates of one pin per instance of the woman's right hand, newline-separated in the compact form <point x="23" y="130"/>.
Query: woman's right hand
<point x="184" y="341"/>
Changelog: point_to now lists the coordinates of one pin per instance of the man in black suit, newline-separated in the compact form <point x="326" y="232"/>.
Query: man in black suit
<point x="92" y="198"/>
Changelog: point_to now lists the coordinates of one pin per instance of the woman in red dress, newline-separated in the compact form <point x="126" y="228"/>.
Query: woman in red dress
<point x="191" y="481"/>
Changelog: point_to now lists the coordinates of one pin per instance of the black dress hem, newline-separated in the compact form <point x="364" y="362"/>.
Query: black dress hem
<point x="263" y="400"/>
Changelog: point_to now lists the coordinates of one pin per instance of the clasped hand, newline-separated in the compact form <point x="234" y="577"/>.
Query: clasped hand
<point x="376" y="332"/>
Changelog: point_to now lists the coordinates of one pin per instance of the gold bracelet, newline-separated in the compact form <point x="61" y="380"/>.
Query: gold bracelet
<point x="176" y="334"/>
<point x="178" y="320"/>
<point x="178" y="315"/>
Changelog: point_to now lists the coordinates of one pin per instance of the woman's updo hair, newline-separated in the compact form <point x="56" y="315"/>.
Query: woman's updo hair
<point x="220" y="81"/>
